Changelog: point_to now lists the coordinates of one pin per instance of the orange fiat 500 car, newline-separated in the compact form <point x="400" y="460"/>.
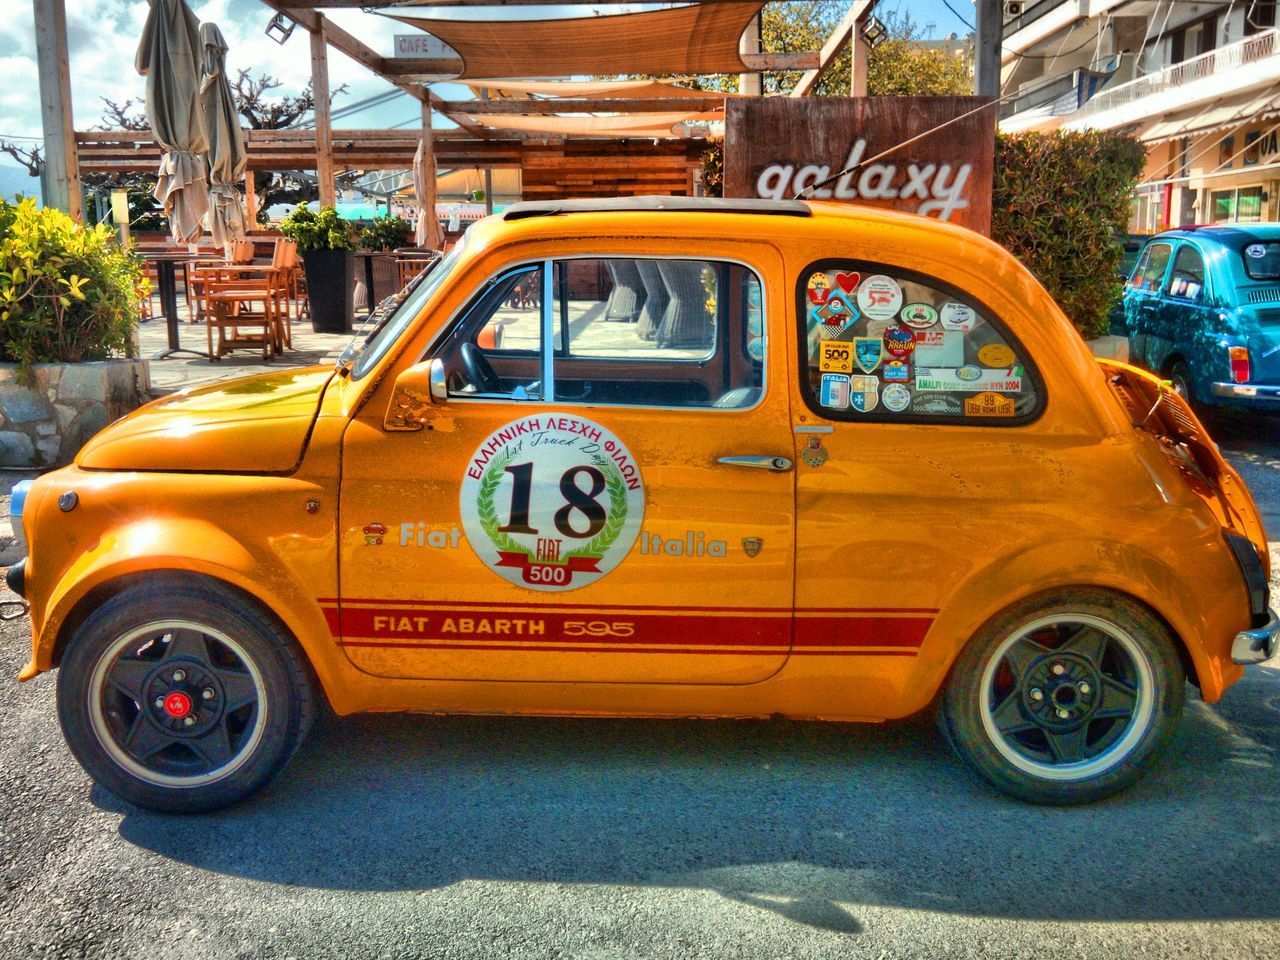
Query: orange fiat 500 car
<point x="658" y="458"/>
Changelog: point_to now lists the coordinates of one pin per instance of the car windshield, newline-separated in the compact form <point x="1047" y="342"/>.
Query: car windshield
<point x="1262" y="260"/>
<point x="367" y="352"/>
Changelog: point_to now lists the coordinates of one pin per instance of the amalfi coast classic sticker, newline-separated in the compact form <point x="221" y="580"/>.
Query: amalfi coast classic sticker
<point x="552" y="502"/>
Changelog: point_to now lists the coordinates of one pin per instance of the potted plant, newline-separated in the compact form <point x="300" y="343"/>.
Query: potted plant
<point x="69" y="300"/>
<point x="325" y="241"/>
<point x="387" y="233"/>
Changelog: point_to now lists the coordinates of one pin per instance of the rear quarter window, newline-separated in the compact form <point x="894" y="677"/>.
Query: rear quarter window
<point x="1262" y="260"/>
<point x="885" y="344"/>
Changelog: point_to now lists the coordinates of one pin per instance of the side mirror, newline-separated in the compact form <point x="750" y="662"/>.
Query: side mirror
<point x="415" y="390"/>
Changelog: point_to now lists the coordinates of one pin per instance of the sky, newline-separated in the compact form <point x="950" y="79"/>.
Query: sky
<point x="103" y="34"/>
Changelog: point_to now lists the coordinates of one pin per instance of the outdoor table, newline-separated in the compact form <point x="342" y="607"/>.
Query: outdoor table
<point x="168" y="285"/>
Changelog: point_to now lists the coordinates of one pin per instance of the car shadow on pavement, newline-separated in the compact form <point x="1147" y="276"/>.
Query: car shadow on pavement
<point x="810" y="821"/>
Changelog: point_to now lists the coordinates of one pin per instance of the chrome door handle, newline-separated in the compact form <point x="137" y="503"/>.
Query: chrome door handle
<point x="777" y="464"/>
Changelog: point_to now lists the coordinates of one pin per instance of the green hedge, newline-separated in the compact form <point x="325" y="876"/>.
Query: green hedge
<point x="1061" y="204"/>
<point x="67" y="293"/>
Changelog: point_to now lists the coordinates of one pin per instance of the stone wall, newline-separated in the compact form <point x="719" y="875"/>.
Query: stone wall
<point x="45" y="421"/>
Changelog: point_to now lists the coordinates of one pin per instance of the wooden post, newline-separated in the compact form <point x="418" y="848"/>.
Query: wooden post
<point x="986" y="62"/>
<point x="250" y="200"/>
<point x="324" y="133"/>
<point x="488" y="171"/>
<point x="60" y="180"/>
<point x="750" y="83"/>
<point x="859" y="54"/>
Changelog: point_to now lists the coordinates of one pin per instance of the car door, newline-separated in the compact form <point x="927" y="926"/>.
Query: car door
<point x="606" y="493"/>
<point x="909" y="475"/>
<point x="1187" y="327"/>
<point x="1143" y="302"/>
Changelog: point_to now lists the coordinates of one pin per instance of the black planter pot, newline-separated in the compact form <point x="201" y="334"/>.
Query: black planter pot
<point x="330" y="289"/>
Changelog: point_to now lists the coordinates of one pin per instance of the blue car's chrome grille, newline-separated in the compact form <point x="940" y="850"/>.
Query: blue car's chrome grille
<point x="1263" y="295"/>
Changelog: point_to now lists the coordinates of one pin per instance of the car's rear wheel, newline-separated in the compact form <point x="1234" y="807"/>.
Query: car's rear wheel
<point x="1065" y="699"/>
<point x="183" y="697"/>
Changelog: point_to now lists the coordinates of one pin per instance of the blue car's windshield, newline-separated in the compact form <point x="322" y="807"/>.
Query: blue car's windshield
<point x="383" y="335"/>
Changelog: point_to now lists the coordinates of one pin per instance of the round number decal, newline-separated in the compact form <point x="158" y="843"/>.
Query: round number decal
<point x="552" y="502"/>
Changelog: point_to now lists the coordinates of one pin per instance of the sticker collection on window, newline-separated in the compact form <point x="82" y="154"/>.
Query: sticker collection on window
<point x="891" y="345"/>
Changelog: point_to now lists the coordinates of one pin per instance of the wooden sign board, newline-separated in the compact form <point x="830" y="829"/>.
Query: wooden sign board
<point x="775" y="147"/>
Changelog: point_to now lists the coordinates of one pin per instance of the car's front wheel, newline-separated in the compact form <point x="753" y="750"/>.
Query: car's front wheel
<point x="183" y="696"/>
<point x="1065" y="699"/>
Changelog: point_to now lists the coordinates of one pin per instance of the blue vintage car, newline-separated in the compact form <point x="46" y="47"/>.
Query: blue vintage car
<point x="1202" y="307"/>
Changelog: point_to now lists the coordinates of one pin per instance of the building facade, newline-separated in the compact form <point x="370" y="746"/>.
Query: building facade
<point x="1198" y="83"/>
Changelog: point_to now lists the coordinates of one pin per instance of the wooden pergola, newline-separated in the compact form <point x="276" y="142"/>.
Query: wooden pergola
<point x="583" y="166"/>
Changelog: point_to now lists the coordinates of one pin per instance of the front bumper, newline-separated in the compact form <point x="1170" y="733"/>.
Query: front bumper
<point x="1258" y="392"/>
<point x="1258" y="644"/>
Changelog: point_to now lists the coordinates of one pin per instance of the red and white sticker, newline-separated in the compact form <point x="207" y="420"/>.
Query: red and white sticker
<point x="880" y="297"/>
<point x="552" y="502"/>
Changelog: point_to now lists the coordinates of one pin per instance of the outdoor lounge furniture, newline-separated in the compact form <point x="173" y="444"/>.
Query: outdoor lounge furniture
<point x="686" y="320"/>
<point x="628" y="294"/>
<point x="246" y="309"/>
<point x="655" y="300"/>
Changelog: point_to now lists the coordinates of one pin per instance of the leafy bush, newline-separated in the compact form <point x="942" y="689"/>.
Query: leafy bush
<point x="318" y="230"/>
<point x="67" y="293"/>
<point x="1060" y="202"/>
<point x="387" y="233"/>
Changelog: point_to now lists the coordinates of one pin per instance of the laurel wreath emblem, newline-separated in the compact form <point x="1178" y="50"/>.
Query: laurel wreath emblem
<point x="615" y="521"/>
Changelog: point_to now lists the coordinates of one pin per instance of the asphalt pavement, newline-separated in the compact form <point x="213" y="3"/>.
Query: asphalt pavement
<point x="438" y="837"/>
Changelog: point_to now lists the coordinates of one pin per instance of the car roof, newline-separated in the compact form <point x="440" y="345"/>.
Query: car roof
<point x="1234" y="235"/>
<point x="657" y="204"/>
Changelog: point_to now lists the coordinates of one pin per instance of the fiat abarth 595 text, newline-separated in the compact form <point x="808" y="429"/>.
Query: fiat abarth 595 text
<point x="658" y="458"/>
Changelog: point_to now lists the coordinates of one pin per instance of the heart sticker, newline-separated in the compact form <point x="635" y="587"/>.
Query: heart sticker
<point x="848" y="281"/>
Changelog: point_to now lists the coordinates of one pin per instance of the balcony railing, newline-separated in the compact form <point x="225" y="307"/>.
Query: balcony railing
<point x="1241" y="53"/>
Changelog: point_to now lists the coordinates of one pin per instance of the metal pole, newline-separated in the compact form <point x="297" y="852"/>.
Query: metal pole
<point x="986" y="64"/>
<point x="60" y="180"/>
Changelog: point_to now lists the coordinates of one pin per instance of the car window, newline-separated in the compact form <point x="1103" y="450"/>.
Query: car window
<point x="1262" y="260"/>
<point x="494" y="347"/>
<point x="1152" y="269"/>
<point x="882" y="343"/>
<point x="657" y="332"/>
<point x="1186" y="280"/>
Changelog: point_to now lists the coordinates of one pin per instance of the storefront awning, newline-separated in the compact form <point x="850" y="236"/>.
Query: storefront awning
<point x="699" y="38"/>
<point x="1224" y="114"/>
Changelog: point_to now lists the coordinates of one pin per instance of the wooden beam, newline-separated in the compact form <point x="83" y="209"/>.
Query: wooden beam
<point x="320" y="89"/>
<point x="60" y="179"/>
<point x="833" y="46"/>
<point x="514" y="107"/>
<point x="339" y="4"/>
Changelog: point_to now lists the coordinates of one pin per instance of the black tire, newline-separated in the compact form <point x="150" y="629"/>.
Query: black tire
<point x="183" y="696"/>
<point x="1065" y="698"/>
<point x="1179" y="375"/>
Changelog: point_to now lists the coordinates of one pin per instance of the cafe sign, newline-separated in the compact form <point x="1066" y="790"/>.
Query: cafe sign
<point x="826" y="148"/>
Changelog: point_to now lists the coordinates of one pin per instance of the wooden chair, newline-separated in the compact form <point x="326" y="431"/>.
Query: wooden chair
<point x="240" y="302"/>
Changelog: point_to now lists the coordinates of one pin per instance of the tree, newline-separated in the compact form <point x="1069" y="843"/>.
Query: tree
<point x="262" y="111"/>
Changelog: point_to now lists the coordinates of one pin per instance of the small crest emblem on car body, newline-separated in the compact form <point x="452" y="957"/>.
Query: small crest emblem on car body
<point x="814" y="453"/>
<point x="752" y="545"/>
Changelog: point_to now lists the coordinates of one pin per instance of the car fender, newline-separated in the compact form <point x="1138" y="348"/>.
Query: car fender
<point x="1081" y="563"/>
<point x="186" y="545"/>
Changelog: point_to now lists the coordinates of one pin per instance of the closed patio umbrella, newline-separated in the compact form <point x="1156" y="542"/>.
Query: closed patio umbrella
<point x="428" y="233"/>
<point x="227" y="155"/>
<point x="169" y="56"/>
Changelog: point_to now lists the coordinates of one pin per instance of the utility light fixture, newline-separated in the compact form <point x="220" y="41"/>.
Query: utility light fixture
<point x="280" y="28"/>
<point x="873" y="32"/>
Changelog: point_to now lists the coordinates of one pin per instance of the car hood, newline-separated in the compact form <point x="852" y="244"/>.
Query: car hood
<point x="256" y="424"/>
